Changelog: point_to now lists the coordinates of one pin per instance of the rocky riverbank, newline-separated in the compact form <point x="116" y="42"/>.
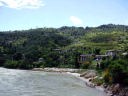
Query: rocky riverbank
<point x="88" y="77"/>
<point x="116" y="90"/>
<point x="111" y="90"/>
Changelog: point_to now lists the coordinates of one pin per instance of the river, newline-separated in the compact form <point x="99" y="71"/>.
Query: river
<point x="38" y="83"/>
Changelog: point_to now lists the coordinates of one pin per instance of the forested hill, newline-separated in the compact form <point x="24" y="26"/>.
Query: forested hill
<point x="32" y="43"/>
<point x="46" y="42"/>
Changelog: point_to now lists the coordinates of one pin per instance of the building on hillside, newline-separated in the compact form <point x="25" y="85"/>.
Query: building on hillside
<point x="57" y="50"/>
<point x="113" y="52"/>
<point x="40" y="59"/>
<point x="125" y="53"/>
<point x="99" y="57"/>
<point x="83" y="58"/>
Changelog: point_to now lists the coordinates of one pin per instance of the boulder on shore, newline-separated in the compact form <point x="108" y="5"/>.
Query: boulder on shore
<point x="89" y="74"/>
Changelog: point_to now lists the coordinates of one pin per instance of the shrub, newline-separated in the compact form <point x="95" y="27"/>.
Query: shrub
<point x="25" y="64"/>
<point x="107" y="77"/>
<point x="118" y="72"/>
<point x="98" y="81"/>
<point x="21" y="64"/>
<point x="11" y="64"/>
<point x="85" y="64"/>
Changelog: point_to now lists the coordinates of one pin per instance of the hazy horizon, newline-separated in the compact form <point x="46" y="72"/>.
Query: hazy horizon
<point x="58" y="27"/>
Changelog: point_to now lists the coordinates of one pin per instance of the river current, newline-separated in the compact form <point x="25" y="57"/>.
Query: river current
<point x="38" y="83"/>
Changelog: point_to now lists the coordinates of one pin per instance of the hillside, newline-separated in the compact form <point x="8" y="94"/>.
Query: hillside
<point x="42" y="42"/>
<point x="63" y="48"/>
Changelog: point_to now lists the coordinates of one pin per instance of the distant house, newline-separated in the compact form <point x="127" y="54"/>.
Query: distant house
<point x="88" y="57"/>
<point x="57" y="50"/>
<point x="113" y="52"/>
<point x="41" y="60"/>
<point x="83" y="58"/>
<point x="125" y="53"/>
<point x="99" y="57"/>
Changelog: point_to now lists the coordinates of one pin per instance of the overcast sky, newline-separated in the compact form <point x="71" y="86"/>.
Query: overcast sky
<point x="26" y="14"/>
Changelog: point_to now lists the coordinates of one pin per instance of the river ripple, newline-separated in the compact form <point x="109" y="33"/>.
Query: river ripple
<point x="35" y="83"/>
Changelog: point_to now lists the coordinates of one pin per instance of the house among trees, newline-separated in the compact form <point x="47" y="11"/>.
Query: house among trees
<point x="40" y="60"/>
<point x="57" y="50"/>
<point x="83" y="58"/>
<point x="100" y="57"/>
<point x="125" y="53"/>
<point x="87" y="57"/>
<point x="113" y="52"/>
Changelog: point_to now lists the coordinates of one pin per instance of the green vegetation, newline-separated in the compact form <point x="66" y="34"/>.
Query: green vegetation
<point x="117" y="71"/>
<point x="62" y="47"/>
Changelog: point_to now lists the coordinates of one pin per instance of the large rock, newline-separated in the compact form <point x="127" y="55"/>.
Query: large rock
<point x="90" y="84"/>
<point x="89" y="74"/>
